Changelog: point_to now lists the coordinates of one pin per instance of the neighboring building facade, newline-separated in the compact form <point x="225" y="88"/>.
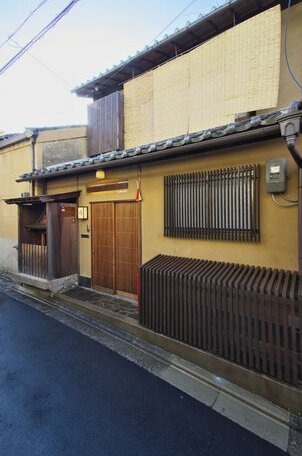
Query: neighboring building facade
<point x="172" y="181"/>
<point x="35" y="148"/>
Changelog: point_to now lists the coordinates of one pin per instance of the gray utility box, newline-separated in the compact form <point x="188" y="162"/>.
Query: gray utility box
<point x="275" y="181"/>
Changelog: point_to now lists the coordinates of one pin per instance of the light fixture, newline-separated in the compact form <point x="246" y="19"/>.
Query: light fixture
<point x="82" y="212"/>
<point x="100" y="174"/>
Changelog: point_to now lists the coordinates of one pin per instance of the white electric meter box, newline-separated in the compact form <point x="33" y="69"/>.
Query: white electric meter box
<point x="275" y="181"/>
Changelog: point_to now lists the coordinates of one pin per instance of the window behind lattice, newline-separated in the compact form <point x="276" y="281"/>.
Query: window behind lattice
<point x="219" y="204"/>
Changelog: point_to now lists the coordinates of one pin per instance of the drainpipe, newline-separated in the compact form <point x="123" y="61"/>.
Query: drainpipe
<point x="33" y="160"/>
<point x="290" y="128"/>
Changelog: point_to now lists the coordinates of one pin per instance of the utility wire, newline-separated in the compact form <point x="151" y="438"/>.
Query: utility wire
<point x="150" y="42"/>
<point x="18" y="45"/>
<point x="190" y="4"/>
<point x="23" y="23"/>
<point x="175" y="19"/>
<point x="278" y="203"/>
<point x="288" y="199"/>
<point x="40" y="35"/>
<point x="298" y="83"/>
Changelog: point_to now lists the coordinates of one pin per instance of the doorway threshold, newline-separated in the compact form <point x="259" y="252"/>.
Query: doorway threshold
<point x="119" y="305"/>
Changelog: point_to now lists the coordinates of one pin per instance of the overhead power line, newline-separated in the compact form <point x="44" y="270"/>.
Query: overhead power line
<point x="54" y="73"/>
<point x="23" y="23"/>
<point x="175" y="19"/>
<point x="40" y="35"/>
<point x="162" y="31"/>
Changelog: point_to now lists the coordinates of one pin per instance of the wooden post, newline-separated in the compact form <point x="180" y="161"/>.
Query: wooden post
<point x="53" y="239"/>
<point x="300" y="224"/>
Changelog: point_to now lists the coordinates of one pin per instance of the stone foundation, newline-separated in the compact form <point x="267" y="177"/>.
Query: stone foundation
<point x="55" y="285"/>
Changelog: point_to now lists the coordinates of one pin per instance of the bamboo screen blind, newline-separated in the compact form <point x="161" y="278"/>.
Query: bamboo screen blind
<point x="138" y="111"/>
<point x="221" y="204"/>
<point x="171" y="97"/>
<point x="237" y="71"/>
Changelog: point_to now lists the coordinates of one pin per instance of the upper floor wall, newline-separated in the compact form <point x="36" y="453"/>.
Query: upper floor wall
<point x="241" y="70"/>
<point x="61" y="144"/>
<point x="235" y="72"/>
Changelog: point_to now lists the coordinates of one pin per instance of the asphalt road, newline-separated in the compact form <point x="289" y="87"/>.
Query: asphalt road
<point x="62" y="393"/>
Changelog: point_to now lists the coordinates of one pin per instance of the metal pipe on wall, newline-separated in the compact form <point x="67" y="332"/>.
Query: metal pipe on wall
<point x="300" y="222"/>
<point x="290" y="129"/>
<point x="33" y="161"/>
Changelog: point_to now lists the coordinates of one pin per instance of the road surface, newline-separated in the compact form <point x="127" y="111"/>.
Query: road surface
<point x="62" y="393"/>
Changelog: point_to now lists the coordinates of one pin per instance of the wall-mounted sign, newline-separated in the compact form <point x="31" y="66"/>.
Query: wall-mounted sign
<point x="107" y="185"/>
<point x="82" y="212"/>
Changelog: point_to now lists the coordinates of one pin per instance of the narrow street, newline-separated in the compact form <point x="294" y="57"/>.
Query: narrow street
<point x="62" y="393"/>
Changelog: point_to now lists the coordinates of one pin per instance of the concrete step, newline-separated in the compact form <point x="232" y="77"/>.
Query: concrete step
<point x="125" y="336"/>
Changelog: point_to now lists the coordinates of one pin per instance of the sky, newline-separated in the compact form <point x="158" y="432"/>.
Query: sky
<point x="93" y="36"/>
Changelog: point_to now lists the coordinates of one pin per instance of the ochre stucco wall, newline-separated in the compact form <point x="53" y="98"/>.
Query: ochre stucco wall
<point x="58" y="145"/>
<point x="278" y="246"/>
<point x="14" y="160"/>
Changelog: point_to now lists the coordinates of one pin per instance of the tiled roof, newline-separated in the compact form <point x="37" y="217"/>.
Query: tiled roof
<point x="205" y="136"/>
<point x="4" y="137"/>
<point x="205" y="27"/>
<point x="56" y="127"/>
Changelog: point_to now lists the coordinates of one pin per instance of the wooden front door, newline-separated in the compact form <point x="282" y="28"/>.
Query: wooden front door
<point x="115" y="246"/>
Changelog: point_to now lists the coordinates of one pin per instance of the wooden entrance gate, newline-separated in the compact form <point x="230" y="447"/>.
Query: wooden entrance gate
<point x="115" y="247"/>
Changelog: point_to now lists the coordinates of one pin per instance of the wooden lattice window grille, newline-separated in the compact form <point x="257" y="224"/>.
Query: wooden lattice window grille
<point x="220" y="204"/>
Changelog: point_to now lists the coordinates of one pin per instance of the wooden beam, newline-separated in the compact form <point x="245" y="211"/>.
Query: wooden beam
<point x="164" y="54"/>
<point x="258" y="4"/>
<point x="193" y="35"/>
<point x="236" y="17"/>
<point x="213" y="25"/>
<point x="148" y="61"/>
<point x="177" y="46"/>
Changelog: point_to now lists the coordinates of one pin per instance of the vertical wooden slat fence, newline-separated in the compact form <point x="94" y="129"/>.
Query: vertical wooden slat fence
<point x="34" y="260"/>
<point x="249" y="315"/>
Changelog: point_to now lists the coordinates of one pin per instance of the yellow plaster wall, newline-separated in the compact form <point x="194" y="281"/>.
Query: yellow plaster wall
<point x="278" y="246"/>
<point x="61" y="133"/>
<point x="79" y="183"/>
<point x="14" y="160"/>
<point x="57" y="136"/>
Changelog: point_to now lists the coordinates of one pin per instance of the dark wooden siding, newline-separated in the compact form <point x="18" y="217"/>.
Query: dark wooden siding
<point x="246" y="314"/>
<point x="62" y="240"/>
<point x="106" y="124"/>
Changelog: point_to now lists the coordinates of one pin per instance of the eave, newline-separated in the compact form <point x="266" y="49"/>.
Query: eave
<point x="211" y="145"/>
<point x="64" y="197"/>
<point x="193" y="34"/>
